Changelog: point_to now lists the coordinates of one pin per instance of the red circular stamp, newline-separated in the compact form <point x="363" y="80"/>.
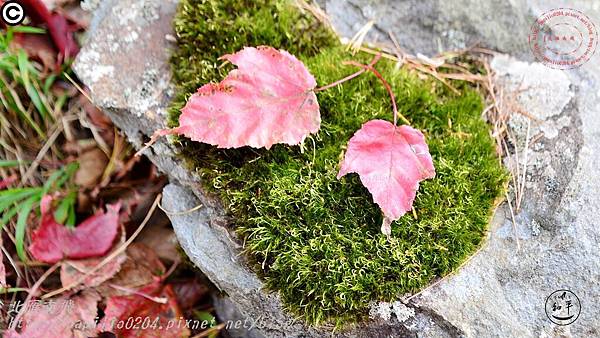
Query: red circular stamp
<point x="563" y="38"/>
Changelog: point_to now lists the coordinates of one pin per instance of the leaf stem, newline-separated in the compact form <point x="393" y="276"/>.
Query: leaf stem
<point x="387" y="86"/>
<point x="349" y="77"/>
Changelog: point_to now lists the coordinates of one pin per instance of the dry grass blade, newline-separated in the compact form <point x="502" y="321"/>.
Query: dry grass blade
<point x="514" y="222"/>
<point x="399" y="52"/>
<point x="160" y="300"/>
<point x="180" y="213"/>
<point x="11" y="261"/>
<point x="358" y="39"/>
<point x="53" y="137"/>
<point x="83" y="120"/>
<point x="210" y="331"/>
<point x="412" y="63"/>
<point x="525" y="156"/>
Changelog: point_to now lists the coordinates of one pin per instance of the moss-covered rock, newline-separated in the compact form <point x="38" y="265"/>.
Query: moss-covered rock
<point x="314" y="238"/>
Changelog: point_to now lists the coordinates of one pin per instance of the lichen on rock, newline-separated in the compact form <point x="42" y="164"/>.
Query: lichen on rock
<point x="313" y="238"/>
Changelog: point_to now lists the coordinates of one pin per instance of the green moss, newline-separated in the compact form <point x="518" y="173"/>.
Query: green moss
<point x="314" y="238"/>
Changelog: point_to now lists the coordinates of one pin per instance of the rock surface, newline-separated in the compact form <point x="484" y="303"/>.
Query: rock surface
<point x="501" y="291"/>
<point x="430" y="27"/>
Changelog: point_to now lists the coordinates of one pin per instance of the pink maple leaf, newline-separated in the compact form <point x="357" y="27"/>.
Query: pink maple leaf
<point x="268" y="99"/>
<point x="391" y="161"/>
<point x="52" y="242"/>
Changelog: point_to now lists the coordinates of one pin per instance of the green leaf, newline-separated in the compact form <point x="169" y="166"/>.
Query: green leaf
<point x="7" y="216"/>
<point x="68" y="172"/>
<point x="24" y="69"/>
<point x="51" y="180"/>
<point x="60" y="102"/>
<point x="10" y="290"/>
<point x="62" y="211"/>
<point x="6" y="65"/>
<point x="205" y="317"/>
<point x="9" y="197"/>
<point x="71" y="219"/>
<point x="65" y="208"/>
<point x="10" y="192"/>
<point x="24" y="212"/>
<point x="28" y="29"/>
<point x="9" y="36"/>
<point x="60" y="177"/>
<point x="10" y="100"/>
<point x="9" y="163"/>
<point x="48" y="83"/>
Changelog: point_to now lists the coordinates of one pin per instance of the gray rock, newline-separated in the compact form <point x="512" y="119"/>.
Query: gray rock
<point x="430" y="27"/>
<point x="501" y="291"/>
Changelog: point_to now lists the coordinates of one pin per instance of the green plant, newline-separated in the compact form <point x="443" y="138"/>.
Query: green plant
<point x="31" y="111"/>
<point x="18" y="72"/>
<point x="21" y="202"/>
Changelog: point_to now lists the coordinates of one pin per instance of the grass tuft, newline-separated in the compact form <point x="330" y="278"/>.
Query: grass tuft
<point x="314" y="238"/>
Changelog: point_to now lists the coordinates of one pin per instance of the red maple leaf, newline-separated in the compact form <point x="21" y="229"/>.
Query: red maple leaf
<point x="268" y="99"/>
<point x="59" y="28"/>
<point x="157" y="319"/>
<point x="52" y="242"/>
<point x="391" y="161"/>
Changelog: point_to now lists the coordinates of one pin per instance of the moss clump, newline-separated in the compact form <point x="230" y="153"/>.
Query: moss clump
<point x="314" y="238"/>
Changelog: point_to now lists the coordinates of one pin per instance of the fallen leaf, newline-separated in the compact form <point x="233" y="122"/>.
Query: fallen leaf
<point x="38" y="47"/>
<point x="189" y="292"/>
<point x="145" y="258"/>
<point x="162" y="239"/>
<point x="137" y="291"/>
<point x="268" y="99"/>
<point x="91" y="167"/>
<point x="391" y="161"/>
<point x="58" y="27"/>
<point x="141" y="267"/>
<point x="52" y="242"/>
<point x="72" y="270"/>
<point x="163" y="317"/>
<point x="61" y="317"/>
